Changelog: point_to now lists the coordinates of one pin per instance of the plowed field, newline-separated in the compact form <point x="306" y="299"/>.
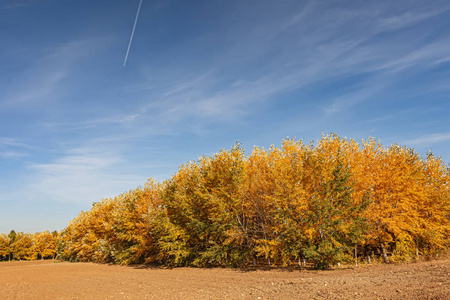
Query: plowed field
<point x="62" y="280"/>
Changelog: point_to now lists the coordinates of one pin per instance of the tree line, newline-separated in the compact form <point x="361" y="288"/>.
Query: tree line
<point x="322" y="204"/>
<point x="26" y="246"/>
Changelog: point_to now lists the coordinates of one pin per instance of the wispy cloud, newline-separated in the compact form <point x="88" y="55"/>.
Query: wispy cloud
<point x="428" y="139"/>
<point x="408" y="18"/>
<point x="12" y="148"/>
<point x="37" y="92"/>
<point x="14" y="142"/>
<point x="42" y="82"/>
<point x="116" y="119"/>
<point x="313" y="55"/>
<point x="77" y="128"/>
<point x="14" y="6"/>
<point x="429" y="55"/>
<point x="12" y="154"/>
<point x="82" y="175"/>
<point x="346" y="102"/>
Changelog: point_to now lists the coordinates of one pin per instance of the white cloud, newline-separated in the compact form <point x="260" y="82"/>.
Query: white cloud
<point x="12" y="154"/>
<point x="313" y="55"/>
<point x="12" y="148"/>
<point x="13" y="142"/>
<point x="428" y="139"/>
<point x="407" y="18"/>
<point x="83" y="175"/>
<point x="14" y="6"/>
<point x="39" y="91"/>
<point x="426" y="56"/>
<point x="42" y="82"/>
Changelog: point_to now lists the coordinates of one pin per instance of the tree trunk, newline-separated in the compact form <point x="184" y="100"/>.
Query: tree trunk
<point x="383" y="253"/>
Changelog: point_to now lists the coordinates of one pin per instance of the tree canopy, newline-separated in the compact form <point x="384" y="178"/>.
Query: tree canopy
<point x="324" y="203"/>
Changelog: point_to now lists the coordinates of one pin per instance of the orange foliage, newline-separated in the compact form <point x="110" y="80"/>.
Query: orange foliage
<point x="323" y="203"/>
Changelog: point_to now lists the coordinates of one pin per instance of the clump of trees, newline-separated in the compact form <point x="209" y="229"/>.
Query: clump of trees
<point x="326" y="203"/>
<point x="119" y="230"/>
<point x="332" y="202"/>
<point x="26" y="246"/>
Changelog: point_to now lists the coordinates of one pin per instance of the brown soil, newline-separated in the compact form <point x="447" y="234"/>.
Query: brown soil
<point x="62" y="280"/>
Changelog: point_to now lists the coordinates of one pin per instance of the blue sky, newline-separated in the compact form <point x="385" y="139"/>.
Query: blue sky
<point x="77" y="126"/>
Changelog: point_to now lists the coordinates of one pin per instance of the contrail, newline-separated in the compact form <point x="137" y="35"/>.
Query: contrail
<point x="132" y="33"/>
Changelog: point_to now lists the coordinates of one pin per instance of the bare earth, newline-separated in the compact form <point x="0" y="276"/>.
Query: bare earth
<point x="62" y="280"/>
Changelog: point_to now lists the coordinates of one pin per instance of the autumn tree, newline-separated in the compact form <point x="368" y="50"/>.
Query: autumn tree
<point x="133" y="221"/>
<point x="335" y="218"/>
<point x="322" y="202"/>
<point x="43" y="245"/>
<point x="202" y="211"/>
<point x="277" y="200"/>
<point x="433" y="233"/>
<point x="5" y="250"/>
<point x="22" y="246"/>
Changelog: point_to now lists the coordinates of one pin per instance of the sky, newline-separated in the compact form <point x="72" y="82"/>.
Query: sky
<point x="76" y="125"/>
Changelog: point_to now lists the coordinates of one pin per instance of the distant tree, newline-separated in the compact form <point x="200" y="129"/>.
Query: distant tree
<point x="5" y="247"/>
<point x="12" y="236"/>
<point x="22" y="246"/>
<point x="44" y="245"/>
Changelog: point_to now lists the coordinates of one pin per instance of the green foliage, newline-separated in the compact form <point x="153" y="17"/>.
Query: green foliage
<point x="335" y="218"/>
